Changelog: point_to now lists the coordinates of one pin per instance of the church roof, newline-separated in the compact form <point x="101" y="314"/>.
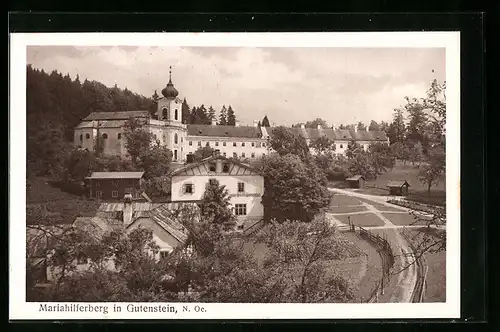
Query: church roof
<point x="116" y="115"/>
<point x="223" y="131"/>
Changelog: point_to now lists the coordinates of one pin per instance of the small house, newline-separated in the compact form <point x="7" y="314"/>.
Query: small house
<point x="398" y="188"/>
<point x="114" y="185"/>
<point x="356" y="181"/>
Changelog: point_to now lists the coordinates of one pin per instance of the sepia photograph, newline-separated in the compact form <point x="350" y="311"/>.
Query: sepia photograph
<point x="169" y="174"/>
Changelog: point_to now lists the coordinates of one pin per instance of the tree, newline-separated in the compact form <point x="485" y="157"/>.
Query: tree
<point x="202" y="153"/>
<point x="401" y="151"/>
<point x="374" y="126"/>
<point x="381" y="157"/>
<point x="361" y="126"/>
<point x="155" y="161"/>
<point x="231" y="117"/>
<point x="285" y="141"/>
<point x="137" y="139"/>
<point x="299" y="261"/>
<point x="417" y="126"/>
<point x="342" y="127"/>
<point x="415" y="152"/>
<point x="159" y="186"/>
<point x="433" y="171"/>
<point x="223" y="116"/>
<point x="294" y="189"/>
<point x="79" y="164"/>
<point x="315" y="123"/>
<point x="322" y="144"/>
<point x="353" y="148"/>
<point x="360" y="163"/>
<point x="398" y="128"/>
<point x="211" y="114"/>
<point x="215" y="205"/>
<point x="265" y="122"/>
<point x="185" y="111"/>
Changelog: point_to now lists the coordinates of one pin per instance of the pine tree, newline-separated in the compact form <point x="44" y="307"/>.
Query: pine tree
<point x="231" y="117"/>
<point x="211" y="114"/>
<point x="185" y="111"/>
<point x="223" y="116"/>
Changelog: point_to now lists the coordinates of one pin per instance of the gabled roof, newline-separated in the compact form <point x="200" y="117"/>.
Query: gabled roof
<point x="223" y="131"/>
<point x="397" y="183"/>
<point x="210" y="159"/>
<point x="116" y="115"/>
<point x="102" y="124"/>
<point x="355" y="178"/>
<point x="115" y="175"/>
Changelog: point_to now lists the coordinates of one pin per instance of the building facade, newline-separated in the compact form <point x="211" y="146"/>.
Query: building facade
<point x="244" y="184"/>
<point x="114" y="185"/>
<point x="167" y="129"/>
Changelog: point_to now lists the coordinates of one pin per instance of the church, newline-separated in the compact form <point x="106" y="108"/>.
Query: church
<point x="240" y="142"/>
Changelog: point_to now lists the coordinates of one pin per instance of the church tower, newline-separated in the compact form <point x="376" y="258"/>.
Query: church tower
<point x="170" y="113"/>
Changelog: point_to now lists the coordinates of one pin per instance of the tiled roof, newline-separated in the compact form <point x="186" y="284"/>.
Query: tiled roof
<point x="223" y="131"/>
<point x="102" y="124"/>
<point x="355" y="178"/>
<point x="162" y="216"/>
<point x="397" y="183"/>
<point x="115" y="175"/>
<point x="116" y="115"/>
<point x="206" y="160"/>
<point x="336" y="134"/>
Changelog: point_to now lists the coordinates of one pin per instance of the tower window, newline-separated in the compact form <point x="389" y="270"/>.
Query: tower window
<point x="81" y="137"/>
<point x="176" y="139"/>
<point x="182" y="139"/>
<point x="175" y="154"/>
<point x="176" y="113"/>
<point x="87" y="136"/>
<point x="105" y="136"/>
<point x="119" y="135"/>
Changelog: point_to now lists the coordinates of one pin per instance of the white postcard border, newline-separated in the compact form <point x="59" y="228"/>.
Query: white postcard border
<point x="20" y="309"/>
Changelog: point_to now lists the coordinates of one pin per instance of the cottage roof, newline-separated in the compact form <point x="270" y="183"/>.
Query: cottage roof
<point x="116" y="115"/>
<point x="209" y="159"/>
<point x="115" y="175"/>
<point x="397" y="183"/>
<point x="355" y="178"/>
<point x="223" y="131"/>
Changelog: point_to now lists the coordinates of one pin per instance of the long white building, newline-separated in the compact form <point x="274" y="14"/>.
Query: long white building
<point x="167" y="128"/>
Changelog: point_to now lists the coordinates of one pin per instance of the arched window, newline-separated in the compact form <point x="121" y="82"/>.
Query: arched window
<point x="119" y="135"/>
<point x="176" y="113"/>
<point x="104" y="136"/>
<point x="163" y="114"/>
<point x="81" y="137"/>
<point x="87" y="136"/>
<point x="176" y="138"/>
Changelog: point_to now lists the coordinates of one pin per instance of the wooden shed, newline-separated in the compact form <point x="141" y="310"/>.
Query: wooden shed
<point x="398" y="187"/>
<point x="356" y="181"/>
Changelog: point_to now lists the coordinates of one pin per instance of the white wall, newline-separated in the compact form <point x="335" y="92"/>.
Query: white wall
<point x="217" y="143"/>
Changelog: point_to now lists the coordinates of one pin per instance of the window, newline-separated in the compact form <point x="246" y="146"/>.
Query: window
<point x="176" y="114"/>
<point x="176" y="138"/>
<point x="243" y="144"/>
<point x="243" y="155"/>
<point x="240" y="209"/>
<point x="199" y="143"/>
<point x="341" y="146"/>
<point x="119" y="135"/>
<point x="175" y="154"/>
<point x="225" y="168"/>
<point x="223" y="143"/>
<point x="182" y="139"/>
<point x="190" y="143"/>
<point x="87" y="136"/>
<point x="253" y="144"/>
<point x="98" y="194"/>
<point x="235" y="155"/>
<point x="104" y="136"/>
<point x="188" y="188"/>
<point x="224" y="154"/>
<point x="81" y="137"/>
<point x="241" y="187"/>
<point x="216" y="143"/>
<point x="253" y="154"/>
<point x="164" y="254"/>
<point x="114" y="193"/>
<point x="234" y="143"/>
<point x="208" y="144"/>
<point x="211" y="167"/>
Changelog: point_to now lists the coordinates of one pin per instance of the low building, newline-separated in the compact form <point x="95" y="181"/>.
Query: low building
<point x="398" y="187"/>
<point x="244" y="183"/>
<point x="356" y="181"/>
<point x="114" y="185"/>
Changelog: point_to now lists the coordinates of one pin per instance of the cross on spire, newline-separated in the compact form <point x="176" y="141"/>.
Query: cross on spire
<point x="170" y="74"/>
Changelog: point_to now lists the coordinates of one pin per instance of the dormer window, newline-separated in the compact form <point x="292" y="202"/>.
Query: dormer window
<point x="87" y="136"/>
<point x="104" y="136"/>
<point x="119" y="136"/>
<point x="225" y="168"/>
<point x="211" y="167"/>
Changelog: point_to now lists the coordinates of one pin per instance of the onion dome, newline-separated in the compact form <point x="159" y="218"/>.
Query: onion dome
<point x="170" y="92"/>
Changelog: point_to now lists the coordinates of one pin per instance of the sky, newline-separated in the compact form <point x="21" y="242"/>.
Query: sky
<point x="289" y="85"/>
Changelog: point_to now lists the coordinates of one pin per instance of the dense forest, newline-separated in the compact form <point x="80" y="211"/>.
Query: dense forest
<point x="56" y="104"/>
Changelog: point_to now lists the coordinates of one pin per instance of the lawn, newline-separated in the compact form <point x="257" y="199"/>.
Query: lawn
<point x="343" y="200"/>
<point x="346" y="209"/>
<point x="403" y="219"/>
<point x="364" y="220"/>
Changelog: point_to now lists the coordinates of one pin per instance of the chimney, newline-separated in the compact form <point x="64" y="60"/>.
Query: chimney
<point x="236" y="123"/>
<point x="302" y="126"/>
<point x="255" y="123"/>
<point x="127" y="209"/>
<point x="214" y="122"/>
